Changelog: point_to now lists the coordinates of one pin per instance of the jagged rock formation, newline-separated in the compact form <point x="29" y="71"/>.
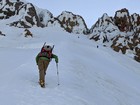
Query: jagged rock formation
<point x="7" y="8"/>
<point x="28" y="19"/>
<point x="121" y="33"/>
<point x="72" y="23"/>
<point x="104" y="29"/>
<point x="27" y="15"/>
<point x="24" y="12"/>
<point x="131" y="41"/>
<point x="122" y="20"/>
<point x="135" y="20"/>
<point x="127" y="45"/>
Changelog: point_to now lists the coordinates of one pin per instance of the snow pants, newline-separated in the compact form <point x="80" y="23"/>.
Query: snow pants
<point x="42" y="66"/>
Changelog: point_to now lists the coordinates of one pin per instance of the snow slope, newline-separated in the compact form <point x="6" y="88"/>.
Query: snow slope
<point x="88" y="75"/>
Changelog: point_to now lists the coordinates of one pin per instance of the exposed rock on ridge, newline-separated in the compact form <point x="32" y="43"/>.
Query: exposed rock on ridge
<point x="72" y="23"/>
<point x="28" y="19"/>
<point x="29" y="15"/>
<point x="103" y="29"/>
<point x="121" y="33"/>
<point x="122" y="20"/>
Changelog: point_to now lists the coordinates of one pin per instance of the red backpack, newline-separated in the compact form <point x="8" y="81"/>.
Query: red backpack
<point x="46" y="51"/>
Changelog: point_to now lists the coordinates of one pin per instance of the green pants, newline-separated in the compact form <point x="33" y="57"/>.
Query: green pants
<point x="42" y="66"/>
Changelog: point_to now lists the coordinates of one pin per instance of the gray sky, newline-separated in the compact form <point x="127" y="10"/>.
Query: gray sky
<point x="90" y="10"/>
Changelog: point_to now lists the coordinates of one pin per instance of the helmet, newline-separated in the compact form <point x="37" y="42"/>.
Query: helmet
<point x="47" y="48"/>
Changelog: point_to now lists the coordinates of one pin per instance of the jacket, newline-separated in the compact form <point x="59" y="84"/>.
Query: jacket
<point x="46" y="58"/>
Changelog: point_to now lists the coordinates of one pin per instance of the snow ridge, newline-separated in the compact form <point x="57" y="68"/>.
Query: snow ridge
<point x="88" y="75"/>
<point x="120" y="32"/>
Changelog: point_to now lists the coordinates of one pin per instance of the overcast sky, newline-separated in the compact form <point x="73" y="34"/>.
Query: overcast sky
<point x="90" y="10"/>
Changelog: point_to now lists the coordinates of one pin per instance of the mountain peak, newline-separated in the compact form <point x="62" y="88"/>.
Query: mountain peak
<point x="72" y="22"/>
<point x="107" y="30"/>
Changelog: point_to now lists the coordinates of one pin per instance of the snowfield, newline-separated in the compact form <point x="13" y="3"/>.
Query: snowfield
<point x="88" y="75"/>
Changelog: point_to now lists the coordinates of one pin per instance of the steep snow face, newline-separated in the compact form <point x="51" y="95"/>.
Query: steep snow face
<point x="88" y="75"/>
<point x="54" y="22"/>
<point x="44" y="16"/>
<point x="104" y="29"/>
<point x="72" y="23"/>
<point x="121" y="33"/>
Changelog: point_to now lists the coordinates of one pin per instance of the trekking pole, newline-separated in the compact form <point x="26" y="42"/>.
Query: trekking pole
<point x="57" y="74"/>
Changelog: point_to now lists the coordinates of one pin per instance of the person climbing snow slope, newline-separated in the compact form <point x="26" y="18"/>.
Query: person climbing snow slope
<point x="42" y="60"/>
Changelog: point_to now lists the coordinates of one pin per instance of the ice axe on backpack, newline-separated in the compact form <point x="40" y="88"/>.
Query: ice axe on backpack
<point x="43" y="47"/>
<point x="48" y="46"/>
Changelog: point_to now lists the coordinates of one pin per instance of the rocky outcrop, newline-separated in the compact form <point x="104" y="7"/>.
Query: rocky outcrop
<point x="72" y="23"/>
<point x="122" y="20"/>
<point x="27" y="33"/>
<point x="2" y="34"/>
<point x="26" y="14"/>
<point x="121" y="32"/>
<point x="135" y="20"/>
<point x="130" y="40"/>
<point x="104" y="29"/>
<point x="8" y="8"/>
<point x="29" y="17"/>
<point x="127" y="45"/>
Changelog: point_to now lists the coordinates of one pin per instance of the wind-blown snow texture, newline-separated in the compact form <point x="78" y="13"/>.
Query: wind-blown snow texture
<point x="88" y="75"/>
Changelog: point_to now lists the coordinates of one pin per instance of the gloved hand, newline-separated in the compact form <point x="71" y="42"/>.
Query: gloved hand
<point x="56" y="60"/>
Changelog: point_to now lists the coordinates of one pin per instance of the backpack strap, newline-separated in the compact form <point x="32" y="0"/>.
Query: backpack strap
<point x="47" y="54"/>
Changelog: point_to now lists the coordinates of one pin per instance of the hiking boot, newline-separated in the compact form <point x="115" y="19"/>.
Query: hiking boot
<point x="42" y="83"/>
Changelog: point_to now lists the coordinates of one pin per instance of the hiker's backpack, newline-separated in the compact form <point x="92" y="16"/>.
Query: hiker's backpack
<point x="46" y="51"/>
